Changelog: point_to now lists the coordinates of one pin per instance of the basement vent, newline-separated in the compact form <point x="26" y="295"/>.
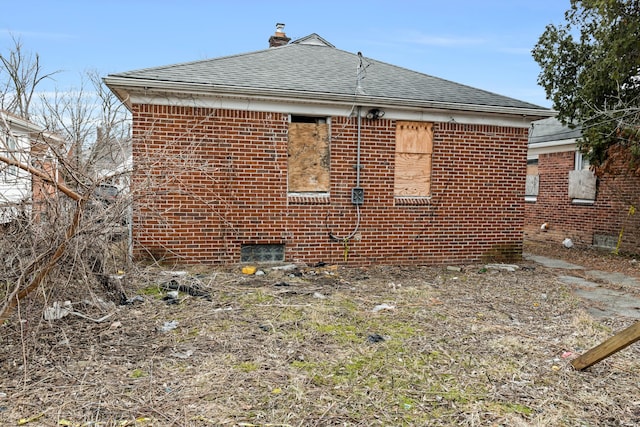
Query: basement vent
<point x="605" y="241"/>
<point x="261" y="253"/>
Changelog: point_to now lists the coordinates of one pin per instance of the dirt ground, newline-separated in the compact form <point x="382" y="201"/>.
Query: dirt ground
<point x="324" y="346"/>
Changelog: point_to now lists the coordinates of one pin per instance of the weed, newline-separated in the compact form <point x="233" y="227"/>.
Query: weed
<point x="247" y="366"/>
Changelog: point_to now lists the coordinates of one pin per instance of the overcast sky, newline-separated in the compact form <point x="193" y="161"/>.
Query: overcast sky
<point x="482" y="43"/>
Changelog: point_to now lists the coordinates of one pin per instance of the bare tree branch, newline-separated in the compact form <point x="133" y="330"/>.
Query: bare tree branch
<point x="24" y="75"/>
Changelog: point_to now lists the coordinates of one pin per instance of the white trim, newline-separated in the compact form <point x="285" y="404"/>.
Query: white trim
<point x="318" y="108"/>
<point x="126" y="88"/>
<point x="582" y="202"/>
<point x="579" y="162"/>
<point x="549" y="147"/>
<point x="531" y="199"/>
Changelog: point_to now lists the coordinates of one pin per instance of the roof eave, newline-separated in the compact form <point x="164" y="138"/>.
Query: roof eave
<point x="123" y="86"/>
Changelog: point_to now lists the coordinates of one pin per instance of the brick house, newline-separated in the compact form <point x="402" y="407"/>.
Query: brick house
<point x="23" y="141"/>
<point x="565" y="196"/>
<point x="306" y="153"/>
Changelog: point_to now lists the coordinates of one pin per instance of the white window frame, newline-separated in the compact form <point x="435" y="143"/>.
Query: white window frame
<point x="581" y="162"/>
<point x="532" y="198"/>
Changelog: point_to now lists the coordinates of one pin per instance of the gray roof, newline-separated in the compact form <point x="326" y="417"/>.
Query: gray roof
<point x="551" y="129"/>
<point x="312" y="68"/>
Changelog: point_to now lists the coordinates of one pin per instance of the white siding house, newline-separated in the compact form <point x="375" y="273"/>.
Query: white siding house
<point x="16" y="139"/>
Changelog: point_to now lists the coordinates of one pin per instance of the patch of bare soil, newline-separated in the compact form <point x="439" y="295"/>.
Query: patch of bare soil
<point x="320" y="346"/>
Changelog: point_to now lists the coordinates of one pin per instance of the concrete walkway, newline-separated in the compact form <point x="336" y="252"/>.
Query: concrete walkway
<point x="606" y="302"/>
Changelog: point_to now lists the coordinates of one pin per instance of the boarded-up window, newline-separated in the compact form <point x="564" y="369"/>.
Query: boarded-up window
<point x="582" y="181"/>
<point x="308" y="155"/>
<point x="532" y="166"/>
<point x="533" y="180"/>
<point x="582" y="185"/>
<point x="414" y="147"/>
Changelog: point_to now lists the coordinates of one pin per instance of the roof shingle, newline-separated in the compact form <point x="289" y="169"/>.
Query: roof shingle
<point x="311" y="66"/>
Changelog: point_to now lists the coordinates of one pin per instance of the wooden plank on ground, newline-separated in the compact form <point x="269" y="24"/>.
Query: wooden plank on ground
<point x="612" y="345"/>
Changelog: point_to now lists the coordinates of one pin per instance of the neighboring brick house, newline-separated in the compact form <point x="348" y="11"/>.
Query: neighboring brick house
<point x="564" y="198"/>
<point x="306" y="153"/>
<point x="25" y="142"/>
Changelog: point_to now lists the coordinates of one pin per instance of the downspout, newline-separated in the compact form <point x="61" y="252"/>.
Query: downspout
<point x="357" y="193"/>
<point x="358" y="149"/>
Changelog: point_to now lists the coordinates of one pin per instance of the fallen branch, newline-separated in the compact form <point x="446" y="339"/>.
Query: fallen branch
<point x="17" y="295"/>
<point x="42" y="175"/>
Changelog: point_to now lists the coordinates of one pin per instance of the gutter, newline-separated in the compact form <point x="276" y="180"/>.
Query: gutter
<point x="124" y="86"/>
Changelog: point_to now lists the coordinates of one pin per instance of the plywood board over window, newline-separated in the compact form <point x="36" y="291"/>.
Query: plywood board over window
<point x="533" y="179"/>
<point x="308" y="158"/>
<point x="414" y="148"/>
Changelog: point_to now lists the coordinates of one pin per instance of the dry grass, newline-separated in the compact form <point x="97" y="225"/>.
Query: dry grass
<point x="477" y="347"/>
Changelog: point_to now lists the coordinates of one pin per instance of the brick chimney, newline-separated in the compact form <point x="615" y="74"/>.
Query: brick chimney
<point x="279" y="38"/>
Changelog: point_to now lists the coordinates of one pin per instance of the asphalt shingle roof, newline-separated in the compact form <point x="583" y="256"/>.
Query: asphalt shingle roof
<point x="313" y="67"/>
<point x="551" y="129"/>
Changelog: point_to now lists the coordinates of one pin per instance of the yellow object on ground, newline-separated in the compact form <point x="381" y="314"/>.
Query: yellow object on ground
<point x="249" y="269"/>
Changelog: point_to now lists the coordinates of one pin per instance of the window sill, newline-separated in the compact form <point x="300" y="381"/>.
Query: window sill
<point x="585" y="202"/>
<point x="531" y="199"/>
<point x="309" y="198"/>
<point x="412" y="201"/>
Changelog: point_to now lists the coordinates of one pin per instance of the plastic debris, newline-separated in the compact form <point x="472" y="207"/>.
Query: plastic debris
<point x="287" y="267"/>
<point x="281" y="284"/>
<point x="567" y="243"/>
<point x="58" y="311"/>
<point x="187" y="354"/>
<point x="381" y="307"/>
<point x="248" y="269"/>
<point x="169" y="326"/>
<point x="194" y="289"/>
<point x="171" y="297"/>
<point x="134" y="300"/>
<point x="506" y="267"/>
<point x="375" y="338"/>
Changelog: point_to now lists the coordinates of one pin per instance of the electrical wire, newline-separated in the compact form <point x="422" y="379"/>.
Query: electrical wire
<point x="360" y="75"/>
<point x="353" y="233"/>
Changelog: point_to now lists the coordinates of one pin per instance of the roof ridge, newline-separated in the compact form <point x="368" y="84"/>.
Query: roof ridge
<point x="303" y="67"/>
<point x="311" y="38"/>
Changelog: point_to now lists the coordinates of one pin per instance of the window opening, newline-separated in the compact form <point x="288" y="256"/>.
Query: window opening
<point x="414" y="148"/>
<point x="308" y="161"/>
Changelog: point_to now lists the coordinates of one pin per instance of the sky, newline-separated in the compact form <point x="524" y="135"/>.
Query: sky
<point x="481" y="43"/>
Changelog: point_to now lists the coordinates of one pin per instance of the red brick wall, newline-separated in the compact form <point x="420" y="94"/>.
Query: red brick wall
<point x="607" y="216"/>
<point x="207" y="181"/>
